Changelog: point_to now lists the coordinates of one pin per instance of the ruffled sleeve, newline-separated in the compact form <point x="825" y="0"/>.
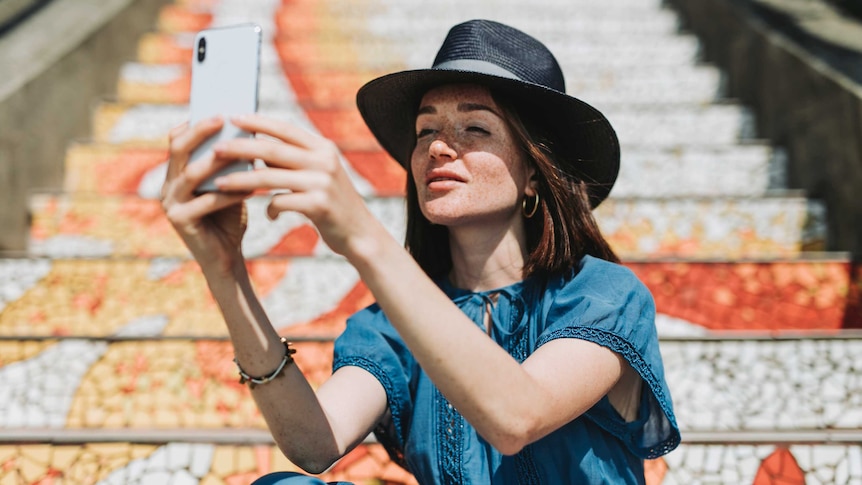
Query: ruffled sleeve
<point x="371" y="343"/>
<point x="606" y="304"/>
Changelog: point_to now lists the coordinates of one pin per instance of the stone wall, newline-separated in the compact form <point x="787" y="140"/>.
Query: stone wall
<point x="804" y="91"/>
<point x="53" y="65"/>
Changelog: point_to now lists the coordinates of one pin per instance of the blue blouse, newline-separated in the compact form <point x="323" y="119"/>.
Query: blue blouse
<point x="600" y="302"/>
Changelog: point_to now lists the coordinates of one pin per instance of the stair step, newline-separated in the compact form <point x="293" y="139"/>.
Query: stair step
<point x="654" y="125"/>
<point x="170" y="83"/>
<point x="137" y="384"/>
<point x="389" y="22"/>
<point x="124" y="461"/>
<point x="312" y="297"/>
<point x="382" y="54"/>
<point x="121" y="226"/>
<point x="801" y="386"/>
<point x="581" y="21"/>
<point x="306" y="297"/>
<point x="181" y="462"/>
<point x="109" y="169"/>
<point x="729" y="171"/>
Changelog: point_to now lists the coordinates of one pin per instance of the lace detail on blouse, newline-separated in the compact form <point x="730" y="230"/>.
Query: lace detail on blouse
<point x="526" y="466"/>
<point x="450" y="427"/>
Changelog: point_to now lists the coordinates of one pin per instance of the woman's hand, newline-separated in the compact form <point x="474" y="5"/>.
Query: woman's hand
<point x="305" y="169"/>
<point x="210" y="224"/>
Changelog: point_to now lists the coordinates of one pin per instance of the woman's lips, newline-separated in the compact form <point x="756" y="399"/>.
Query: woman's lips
<point x="438" y="177"/>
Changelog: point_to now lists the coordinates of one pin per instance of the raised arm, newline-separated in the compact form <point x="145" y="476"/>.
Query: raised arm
<point x="313" y="430"/>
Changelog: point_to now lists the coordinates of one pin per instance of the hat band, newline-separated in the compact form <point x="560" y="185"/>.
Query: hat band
<point x="475" y="65"/>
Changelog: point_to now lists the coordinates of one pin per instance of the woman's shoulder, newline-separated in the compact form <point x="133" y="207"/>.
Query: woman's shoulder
<point x="595" y="276"/>
<point x="370" y="317"/>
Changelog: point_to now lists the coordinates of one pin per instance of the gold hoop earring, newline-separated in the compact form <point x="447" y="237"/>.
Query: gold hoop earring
<point x="532" y="211"/>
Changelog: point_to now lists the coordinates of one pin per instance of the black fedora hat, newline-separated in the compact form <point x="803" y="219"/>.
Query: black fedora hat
<point x="514" y="64"/>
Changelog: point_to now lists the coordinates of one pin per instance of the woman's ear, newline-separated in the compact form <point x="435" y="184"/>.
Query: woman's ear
<point x="532" y="184"/>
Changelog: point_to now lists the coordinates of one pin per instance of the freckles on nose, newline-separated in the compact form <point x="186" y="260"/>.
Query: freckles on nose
<point x="439" y="147"/>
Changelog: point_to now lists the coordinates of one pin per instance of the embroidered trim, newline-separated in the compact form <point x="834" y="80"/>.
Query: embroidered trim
<point x="627" y="350"/>
<point x="528" y="474"/>
<point x="450" y="427"/>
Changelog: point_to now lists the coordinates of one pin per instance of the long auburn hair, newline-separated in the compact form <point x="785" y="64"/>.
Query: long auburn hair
<point x="561" y="232"/>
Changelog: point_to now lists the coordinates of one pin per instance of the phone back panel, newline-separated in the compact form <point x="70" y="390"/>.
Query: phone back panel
<point x="225" y="82"/>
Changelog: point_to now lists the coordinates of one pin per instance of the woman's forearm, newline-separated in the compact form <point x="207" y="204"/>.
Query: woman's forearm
<point x="288" y="404"/>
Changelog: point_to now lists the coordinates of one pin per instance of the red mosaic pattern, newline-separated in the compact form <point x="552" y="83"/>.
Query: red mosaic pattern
<point x="782" y="295"/>
<point x="108" y="169"/>
<point x="780" y="468"/>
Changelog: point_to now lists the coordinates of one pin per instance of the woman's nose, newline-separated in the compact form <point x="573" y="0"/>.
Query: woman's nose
<point x="440" y="148"/>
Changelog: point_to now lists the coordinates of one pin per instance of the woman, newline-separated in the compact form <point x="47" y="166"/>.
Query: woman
<point x="506" y="344"/>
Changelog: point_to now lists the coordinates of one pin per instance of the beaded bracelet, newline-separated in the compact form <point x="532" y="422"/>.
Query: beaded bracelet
<point x="254" y="381"/>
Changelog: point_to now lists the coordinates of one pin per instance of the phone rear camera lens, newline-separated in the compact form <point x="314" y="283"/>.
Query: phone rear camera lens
<point x="202" y="49"/>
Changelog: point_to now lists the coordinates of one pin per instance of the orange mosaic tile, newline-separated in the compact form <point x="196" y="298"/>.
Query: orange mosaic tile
<point x="164" y="48"/>
<point x="15" y="350"/>
<point x="127" y="462"/>
<point x="100" y="298"/>
<point x="298" y="242"/>
<point x="779" y="295"/>
<point x="333" y="55"/>
<point x="131" y="225"/>
<point x="81" y="464"/>
<point x="306" y="21"/>
<point x="345" y="126"/>
<point x="183" y="18"/>
<point x="388" y="176"/>
<point x="172" y="384"/>
<point x="108" y="169"/>
<point x="328" y="89"/>
<point x="780" y="468"/>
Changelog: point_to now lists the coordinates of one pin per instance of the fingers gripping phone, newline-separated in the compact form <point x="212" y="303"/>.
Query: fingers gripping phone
<point x="225" y="73"/>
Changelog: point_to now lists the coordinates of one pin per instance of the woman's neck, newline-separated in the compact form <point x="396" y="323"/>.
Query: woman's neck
<point x="484" y="260"/>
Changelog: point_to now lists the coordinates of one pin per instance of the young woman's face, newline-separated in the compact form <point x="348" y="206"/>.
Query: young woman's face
<point x="466" y="165"/>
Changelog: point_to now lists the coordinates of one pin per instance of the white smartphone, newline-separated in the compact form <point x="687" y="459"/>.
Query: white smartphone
<point x="225" y="78"/>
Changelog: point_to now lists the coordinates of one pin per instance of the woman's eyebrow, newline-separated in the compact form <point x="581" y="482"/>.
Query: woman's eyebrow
<point x="426" y="110"/>
<point x="466" y="107"/>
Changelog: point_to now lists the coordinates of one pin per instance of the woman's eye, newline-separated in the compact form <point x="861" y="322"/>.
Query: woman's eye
<point x="424" y="132"/>
<point x="478" y="129"/>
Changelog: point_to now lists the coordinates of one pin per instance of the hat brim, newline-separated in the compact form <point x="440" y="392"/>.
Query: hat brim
<point x="585" y="143"/>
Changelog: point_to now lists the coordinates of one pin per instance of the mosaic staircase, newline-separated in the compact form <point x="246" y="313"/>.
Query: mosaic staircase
<point x="114" y="363"/>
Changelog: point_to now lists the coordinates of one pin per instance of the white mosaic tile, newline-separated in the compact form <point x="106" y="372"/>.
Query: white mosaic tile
<point x="729" y="171"/>
<point x="38" y="392"/>
<point x="175" y="463"/>
<point x="19" y="275"/>
<point x="310" y="288"/>
<point x="766" y="385"/>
